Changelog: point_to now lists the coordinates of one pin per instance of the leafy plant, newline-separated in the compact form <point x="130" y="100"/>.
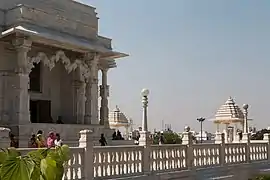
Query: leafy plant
<point x="263" y="177"/>
<point x="169" y="137"/>
<point x="259" y="135"/>
<point x="41" y="164"/>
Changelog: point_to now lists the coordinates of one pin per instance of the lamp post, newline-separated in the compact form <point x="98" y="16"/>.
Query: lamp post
<point x="145" y="93"/>
<point x="245" y="107"/>
<point x="201" y="120"/>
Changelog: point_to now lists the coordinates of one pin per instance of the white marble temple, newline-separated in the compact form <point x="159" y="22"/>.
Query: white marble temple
<point x="70" y="53"/>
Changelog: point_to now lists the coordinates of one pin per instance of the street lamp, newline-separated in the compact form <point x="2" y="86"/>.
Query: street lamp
<point x="245" y="107"/>
<point x="201" y="119"/>
<point x="145" y="93"/>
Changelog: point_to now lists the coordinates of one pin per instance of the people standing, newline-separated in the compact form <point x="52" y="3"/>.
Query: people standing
<point x="50" y="140"/>
<point x="40" y="140"/>
<point x="102" y="140"/>
<point x="58" y="141"/>
<point x="33" y="142"/>
<point x="161" y="139"/>
<point x="13" y="141"/>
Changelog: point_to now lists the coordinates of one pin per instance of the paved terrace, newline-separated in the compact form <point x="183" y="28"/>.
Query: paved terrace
<point x="186" y="162"/>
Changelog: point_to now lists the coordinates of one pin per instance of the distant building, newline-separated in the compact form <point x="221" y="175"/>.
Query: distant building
<point x="204" y="135"/>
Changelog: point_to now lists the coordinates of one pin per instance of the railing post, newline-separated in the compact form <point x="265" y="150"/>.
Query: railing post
<point x="86" y="142"/>
<point x="187" y="140"/>
<point x="145" y="142"/>
<point x="222" y="148"/>
<point x="246" y="139"/>
<point x="266" y="137"/>
<point x="4" y="135"/>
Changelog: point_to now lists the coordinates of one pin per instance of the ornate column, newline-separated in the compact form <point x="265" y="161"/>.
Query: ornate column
<point x="104" y="94"/>
<point x="79" y="87"/>
<point x="87" y="115"/>
<point x="20" y="82"/>
<point x="91" y="92"/>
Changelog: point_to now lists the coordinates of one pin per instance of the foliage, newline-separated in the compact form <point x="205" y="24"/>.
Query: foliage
<point x="42" y="164"/>
<point x="259" y="134"/>
<point x="263" y="177"/>
<point x="169" y="137"/>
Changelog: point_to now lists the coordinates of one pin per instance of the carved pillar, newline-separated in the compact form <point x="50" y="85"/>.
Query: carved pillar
<point x="87" y="115"/>
<point x="91" y="93"/>
<point x="79" y="87"/>
<point x="20" y="82"/>
<point x="104" y="93"/>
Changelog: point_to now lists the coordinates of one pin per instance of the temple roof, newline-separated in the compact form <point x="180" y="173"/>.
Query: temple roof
<point x="229" y="112"/>
<point x="49" y="23"/>
<point x="118" y="118"/>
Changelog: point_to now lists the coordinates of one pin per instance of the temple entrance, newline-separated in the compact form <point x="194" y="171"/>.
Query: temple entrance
<point x="40" y="111"/>
<point x="35" y="78"/>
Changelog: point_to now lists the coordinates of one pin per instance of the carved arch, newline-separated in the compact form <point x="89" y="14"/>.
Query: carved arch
<point x="60" y="56"/>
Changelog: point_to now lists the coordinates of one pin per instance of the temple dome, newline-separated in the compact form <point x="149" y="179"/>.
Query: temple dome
<point x="229" y="112"/>
<point x="118" y="118"/>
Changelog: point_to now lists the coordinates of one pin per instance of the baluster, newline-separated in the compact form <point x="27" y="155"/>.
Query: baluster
<point x="111" y="164"/>
<point x="76" y="162"/>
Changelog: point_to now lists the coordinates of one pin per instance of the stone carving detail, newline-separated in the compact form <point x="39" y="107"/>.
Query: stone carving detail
<point x="60" y="56"/>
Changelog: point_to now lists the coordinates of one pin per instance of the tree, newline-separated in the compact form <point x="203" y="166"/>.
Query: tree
<point x="259" y="134"/>
<point x="169" y="136"/>
<point x="42" y="164"/>
<point x="263" y="177"/>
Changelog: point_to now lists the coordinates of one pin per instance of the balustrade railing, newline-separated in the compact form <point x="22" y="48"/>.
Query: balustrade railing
<point x="168" y="157"/>
<point x="111" y="162"/>
<point x="206" y="155"/>
<point x="75" y="167"/>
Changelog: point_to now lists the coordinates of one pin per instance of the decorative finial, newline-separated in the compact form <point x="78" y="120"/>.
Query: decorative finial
<point x="187" y="129"/>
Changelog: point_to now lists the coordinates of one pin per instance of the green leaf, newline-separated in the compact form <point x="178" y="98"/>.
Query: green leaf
<point x="3" y="157"/>
<point x="60" y="172"/>
<point x="53" y="154"/>
<point x="64" y="153"/>
<point x="15" y="168"/>
<point x="12" y="152"/>
<point x="48" y="168"/>
<point x="37" y="156"/>
<point x="36" y="173"/>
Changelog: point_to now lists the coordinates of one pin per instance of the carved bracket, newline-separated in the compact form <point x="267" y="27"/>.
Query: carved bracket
<point x="60" y="56"/>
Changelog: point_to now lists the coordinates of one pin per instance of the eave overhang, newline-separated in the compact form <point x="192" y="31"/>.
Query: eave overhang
<point x="62" y="40"/>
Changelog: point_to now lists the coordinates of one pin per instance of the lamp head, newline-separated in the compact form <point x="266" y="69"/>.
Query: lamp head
<point x="144" y="92"/>
<point x="245" y="106"/>
<point x="201" y="119"/>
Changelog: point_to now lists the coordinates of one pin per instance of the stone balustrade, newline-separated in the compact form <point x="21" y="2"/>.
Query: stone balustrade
<point x="182" y="161"/>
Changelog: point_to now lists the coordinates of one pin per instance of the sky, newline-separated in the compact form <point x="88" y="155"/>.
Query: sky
<point x="192" y="55"/>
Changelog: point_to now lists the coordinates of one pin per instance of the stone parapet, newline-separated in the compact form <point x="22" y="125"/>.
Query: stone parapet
<point x="84" y="26"/>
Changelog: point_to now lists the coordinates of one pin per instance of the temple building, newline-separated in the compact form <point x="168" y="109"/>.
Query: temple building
<point x="232" y="117"/>
<point x="49" y="66"/>
<point x="118" y="119"/>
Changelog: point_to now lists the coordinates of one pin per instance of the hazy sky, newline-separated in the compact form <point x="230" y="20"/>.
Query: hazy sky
<point x="191" y="54"/>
